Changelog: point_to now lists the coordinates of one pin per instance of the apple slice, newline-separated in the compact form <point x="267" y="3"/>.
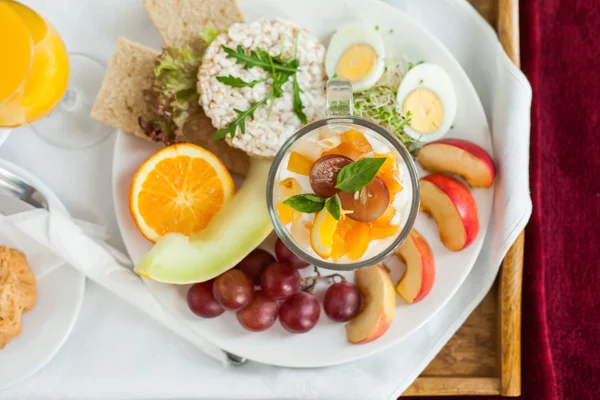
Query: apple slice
<point x="460" y="157"/>
<point x="379" y="307"/>
<point x="418" y="278"/>
<point x="453" y="208"/>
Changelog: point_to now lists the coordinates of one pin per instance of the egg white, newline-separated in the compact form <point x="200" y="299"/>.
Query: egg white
<point x="353" y="34"/>
<point x="436" y="79"/>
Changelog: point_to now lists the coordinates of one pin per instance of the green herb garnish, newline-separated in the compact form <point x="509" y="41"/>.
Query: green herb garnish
<point x="280" y="71"/>
<point x="421" y="82"/>
<point x="376" y="27"/>
<point x="258" y="58"/>
<point x="334" y="207"/>
<point x="306" y="203"/>
<point x="237" y="82"/>
<point x="358" y="174"/>
<point x="411" y="65"/>
<point x="240" y="120"/>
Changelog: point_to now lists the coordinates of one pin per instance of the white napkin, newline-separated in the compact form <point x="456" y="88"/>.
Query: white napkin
<point x="156" y="367"/>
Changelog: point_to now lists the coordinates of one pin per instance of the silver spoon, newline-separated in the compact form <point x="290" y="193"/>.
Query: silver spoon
<point x="15" y="186"/>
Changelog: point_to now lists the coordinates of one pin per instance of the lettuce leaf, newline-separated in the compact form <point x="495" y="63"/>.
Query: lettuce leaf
<point x="173" y="96"/>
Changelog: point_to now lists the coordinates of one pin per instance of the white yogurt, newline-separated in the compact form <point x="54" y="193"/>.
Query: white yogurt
<point x="312" y="146"/>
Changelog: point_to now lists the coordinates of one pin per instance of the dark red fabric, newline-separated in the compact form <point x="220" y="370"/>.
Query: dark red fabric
<point x="560" y="54"/>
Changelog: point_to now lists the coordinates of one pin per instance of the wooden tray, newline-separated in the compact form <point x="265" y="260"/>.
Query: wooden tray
<point x="484" y="356"/>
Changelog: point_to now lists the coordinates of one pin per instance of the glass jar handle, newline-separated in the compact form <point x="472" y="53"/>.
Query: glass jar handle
<point x="339" y="97"/>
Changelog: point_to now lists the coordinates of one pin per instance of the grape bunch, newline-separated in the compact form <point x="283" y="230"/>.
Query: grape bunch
<point x="262" y="288"/>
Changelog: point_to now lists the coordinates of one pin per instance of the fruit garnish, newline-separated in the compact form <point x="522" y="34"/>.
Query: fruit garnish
<point x="287" y="188"/>
<point x="300" y="313"/>
<point x="358" y="239"/>
<point x="286" y="256"/>
<point x="202" y="302"/>
<point x="389" y="164"/>
<point x="368" y="203"/>
<point x="342" y="301"/>
<point x="384" y="232"/>
<point x="299" y="163"/>
<point x="258" y="315"/>
<point x="254" y="264"/>
<point x="339" y="247"/>
<point x="178" y="190"/>
<point x="357" y="140"/>
<point x="393" y="184"/>
<point x="233" y="290"/>
<point x="279" y="281"/>
<point x="344" y="149"/>
<point x="386" y="218"/>
<point x="321" y="234"/>
<point x="241" y="225"/>
<point x="324" y="173"/>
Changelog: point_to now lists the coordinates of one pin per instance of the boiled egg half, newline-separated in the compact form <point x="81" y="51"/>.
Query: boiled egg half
<point x="356" y="53"/>
<point x="426" y="93"/>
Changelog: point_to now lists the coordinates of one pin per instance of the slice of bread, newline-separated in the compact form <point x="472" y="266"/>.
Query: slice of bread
<point x="180" y="22"/>
<point x="120" y="101"/>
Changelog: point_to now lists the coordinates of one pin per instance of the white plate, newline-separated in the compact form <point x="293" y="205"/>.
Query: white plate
<point x="59" y="297"/>
<point x="326" y="344"/>
<point x="3" y="135"/>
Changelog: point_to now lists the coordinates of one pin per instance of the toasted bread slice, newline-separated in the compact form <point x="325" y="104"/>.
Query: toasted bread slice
<point x="120" y="101"/>
<point x="180" y="22"/>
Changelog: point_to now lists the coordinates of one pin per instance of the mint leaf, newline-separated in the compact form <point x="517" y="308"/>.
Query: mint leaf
<point x="306" y="203"/>
<point x="334" y="206"/>
<point x="237" y="82"/>
<point x="358" y="174"/>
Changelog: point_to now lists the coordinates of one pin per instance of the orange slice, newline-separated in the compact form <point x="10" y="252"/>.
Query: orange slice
<point x="179" y="189"/>
<point x="321" y="233"/>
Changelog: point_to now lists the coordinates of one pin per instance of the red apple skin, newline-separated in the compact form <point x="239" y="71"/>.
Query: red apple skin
<point x="463" y="202"/>
<point x="425" y="263"/>
<point x="474" y="150"/>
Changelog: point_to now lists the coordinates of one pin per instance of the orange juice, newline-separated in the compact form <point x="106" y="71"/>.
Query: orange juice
<point x="36" y="71"/>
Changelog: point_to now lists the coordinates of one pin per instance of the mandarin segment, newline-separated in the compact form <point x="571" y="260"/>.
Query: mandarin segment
<point x="385" y="219"/>
<point x="384" y="232"/>
<point x="299" y="163"/>
<point x="357" y="141"/>
<point x="286" y="213"/>
<point x="358" y="239"/>
<point x="389" y="164"/>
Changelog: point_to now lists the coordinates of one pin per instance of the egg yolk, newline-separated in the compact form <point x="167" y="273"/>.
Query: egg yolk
<point x="356" y="62"/>
<point x="426" y="108"/>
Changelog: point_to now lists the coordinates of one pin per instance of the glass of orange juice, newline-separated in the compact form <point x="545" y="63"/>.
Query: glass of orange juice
<point x="39" y="79"/>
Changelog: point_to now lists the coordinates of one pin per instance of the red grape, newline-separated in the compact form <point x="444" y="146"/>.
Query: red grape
<point x="201" y="301"/>
<point x="233" y="289"/>
<point x="286" y="256"/>
<point x="254" y="264"/>
<point x="258" y="315"/>
<point x="299" y="313"/>
<point x="279" y="281"/>
<point x="324" y="172"/>
<point x="370" y="202"/>
<point x="342" y="301"/>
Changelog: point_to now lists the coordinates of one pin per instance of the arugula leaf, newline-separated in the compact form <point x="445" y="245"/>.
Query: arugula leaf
<point x="358" y="174"/>
<point x="258" y="58"/>
<point x="237" y="82"/>
<point x="298" y="106"/>
<point x="334" y="207"/>
<point x="240" y="120"/>
<point x="306" y="203"/>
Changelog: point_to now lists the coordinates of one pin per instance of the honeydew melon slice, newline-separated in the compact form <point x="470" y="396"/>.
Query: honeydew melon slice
<point x="238" y="228"/>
